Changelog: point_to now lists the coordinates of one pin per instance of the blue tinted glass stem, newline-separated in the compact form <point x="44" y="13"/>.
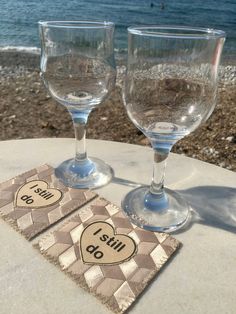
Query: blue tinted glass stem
<point x="157" y="185"/>
<point x="156" y="198"/>
<point x="79" y="121"/>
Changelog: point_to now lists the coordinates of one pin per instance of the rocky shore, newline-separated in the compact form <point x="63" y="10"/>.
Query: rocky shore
<point x="27" y="111"/>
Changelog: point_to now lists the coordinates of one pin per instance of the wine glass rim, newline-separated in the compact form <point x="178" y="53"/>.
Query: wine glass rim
<point x="169" y="31"/>
<point x="76" y="24"/>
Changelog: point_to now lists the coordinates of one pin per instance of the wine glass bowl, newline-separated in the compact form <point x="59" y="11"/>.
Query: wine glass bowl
<point x="170" y="89"/>
<point x="78" y="69"/>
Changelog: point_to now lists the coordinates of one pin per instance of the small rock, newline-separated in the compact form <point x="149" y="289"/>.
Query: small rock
<point x="144" y="141"/>
<point x="229" y="138"/>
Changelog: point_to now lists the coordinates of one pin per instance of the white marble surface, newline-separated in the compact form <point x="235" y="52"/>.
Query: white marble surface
<point x="199" y="279"/>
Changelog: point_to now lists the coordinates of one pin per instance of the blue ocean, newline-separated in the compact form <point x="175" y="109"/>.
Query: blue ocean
<point x="18" y="23"/>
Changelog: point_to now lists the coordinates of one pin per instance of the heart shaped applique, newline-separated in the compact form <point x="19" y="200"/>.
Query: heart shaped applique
<point x="99" y="244"/>
<point x="37" y="194"/>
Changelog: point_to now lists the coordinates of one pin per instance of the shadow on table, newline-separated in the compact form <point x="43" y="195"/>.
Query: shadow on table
<point x="126" y="182"/>
<point x="210" y="205"/>
<point x="213" y="205"/>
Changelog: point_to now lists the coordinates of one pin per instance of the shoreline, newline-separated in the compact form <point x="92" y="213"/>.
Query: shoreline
<point x="12" y="57"/>
<point x="20" y="62"/>
<point x="27" y="111"/>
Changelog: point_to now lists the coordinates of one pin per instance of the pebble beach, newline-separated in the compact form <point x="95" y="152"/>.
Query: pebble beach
<point x="27" y="111"/>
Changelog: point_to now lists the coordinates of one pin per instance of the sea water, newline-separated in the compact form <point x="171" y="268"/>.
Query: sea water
<point x="18" y="23"/>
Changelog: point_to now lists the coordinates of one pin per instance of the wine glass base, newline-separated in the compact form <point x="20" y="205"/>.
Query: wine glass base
<point x="93" y="173"/>
<point x="170" y="213"/>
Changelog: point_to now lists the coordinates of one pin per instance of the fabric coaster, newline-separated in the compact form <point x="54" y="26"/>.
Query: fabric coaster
<point x="107" y="255"/>
<point x="33" y="201"/>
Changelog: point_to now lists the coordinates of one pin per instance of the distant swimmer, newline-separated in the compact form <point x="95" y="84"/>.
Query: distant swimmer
<point x="162" y="6"/>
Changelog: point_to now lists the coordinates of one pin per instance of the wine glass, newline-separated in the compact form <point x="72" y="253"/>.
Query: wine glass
<point x="170" y="89"/>
<point x="78" y="69"/>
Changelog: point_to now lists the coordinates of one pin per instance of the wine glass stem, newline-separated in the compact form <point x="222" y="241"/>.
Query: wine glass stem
<point x="80" y="137"/>
<point x="80" y="146"/>
<point x="157" y="185"/>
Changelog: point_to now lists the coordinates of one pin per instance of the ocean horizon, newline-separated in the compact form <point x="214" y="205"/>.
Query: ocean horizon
<point x="19" y="18"/>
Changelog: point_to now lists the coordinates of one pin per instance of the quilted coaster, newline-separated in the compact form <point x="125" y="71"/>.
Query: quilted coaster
<point x="107" y="255"/>
<point x="33" y="201"/>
